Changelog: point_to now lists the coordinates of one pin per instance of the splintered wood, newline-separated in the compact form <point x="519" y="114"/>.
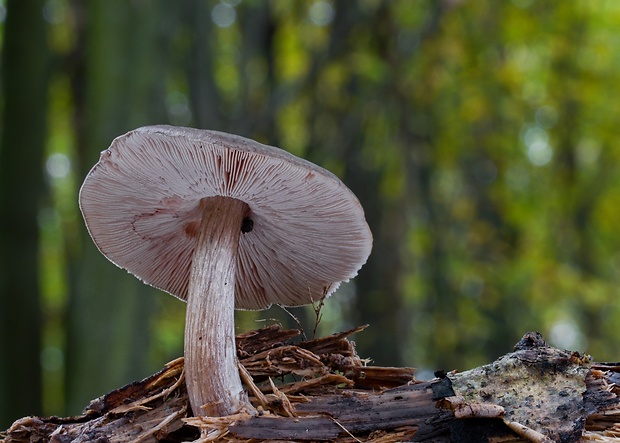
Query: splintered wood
<point x="320" y="390"/>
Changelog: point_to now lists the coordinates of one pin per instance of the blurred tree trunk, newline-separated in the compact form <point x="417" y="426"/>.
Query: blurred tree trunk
<point x="252" y="113"/>
<point x="204" y="97"/>
<point x="377" y="288"/>
<point x="581" y="192"/>
<point x="119" y="85"/>
<point x="24" y="90"/>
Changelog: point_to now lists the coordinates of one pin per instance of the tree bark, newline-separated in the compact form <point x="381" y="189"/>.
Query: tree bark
<point x="119" y="85"/>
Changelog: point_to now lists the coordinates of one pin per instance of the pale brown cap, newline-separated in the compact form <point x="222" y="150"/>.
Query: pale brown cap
<point x="141" y="206"/>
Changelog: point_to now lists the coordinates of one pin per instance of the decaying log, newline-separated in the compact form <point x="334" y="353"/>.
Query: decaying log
<point x="320" y="390"/>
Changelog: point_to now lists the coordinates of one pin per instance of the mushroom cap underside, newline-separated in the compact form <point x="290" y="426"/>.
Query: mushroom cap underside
<point x="141" y="205"/>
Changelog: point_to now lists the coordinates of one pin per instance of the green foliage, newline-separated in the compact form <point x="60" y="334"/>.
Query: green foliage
<point x="479" y="136"/>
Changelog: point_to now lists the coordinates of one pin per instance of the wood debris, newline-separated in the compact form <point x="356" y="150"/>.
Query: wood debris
<point x="320" y="390"/>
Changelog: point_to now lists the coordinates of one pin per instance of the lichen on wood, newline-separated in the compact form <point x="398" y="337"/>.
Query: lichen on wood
<point x="536" y="377"/>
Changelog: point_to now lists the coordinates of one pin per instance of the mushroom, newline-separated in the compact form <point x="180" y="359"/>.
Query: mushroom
<point x="222" y="222"/>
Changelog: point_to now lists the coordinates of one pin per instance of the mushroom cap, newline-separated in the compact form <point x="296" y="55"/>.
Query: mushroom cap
<point x="141" y="205"/>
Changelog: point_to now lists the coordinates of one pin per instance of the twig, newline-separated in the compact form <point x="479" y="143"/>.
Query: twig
<point x="527" y="433"/>
<point x="264" y="320"/>
<point x="287" y="407"/>
<point x="317" y="312"/>
<point x="139" y="404"/>
<point x="161" y="425"/>
<point x="247" y="379"/>
<point x="345" y="430"/>
<point x="295" y="319"/>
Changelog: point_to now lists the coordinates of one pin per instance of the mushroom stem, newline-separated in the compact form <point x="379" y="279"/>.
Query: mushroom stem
<point x="211" y="371"/>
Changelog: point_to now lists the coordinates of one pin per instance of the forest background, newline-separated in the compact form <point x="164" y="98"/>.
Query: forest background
<point x="481" y="137"/>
